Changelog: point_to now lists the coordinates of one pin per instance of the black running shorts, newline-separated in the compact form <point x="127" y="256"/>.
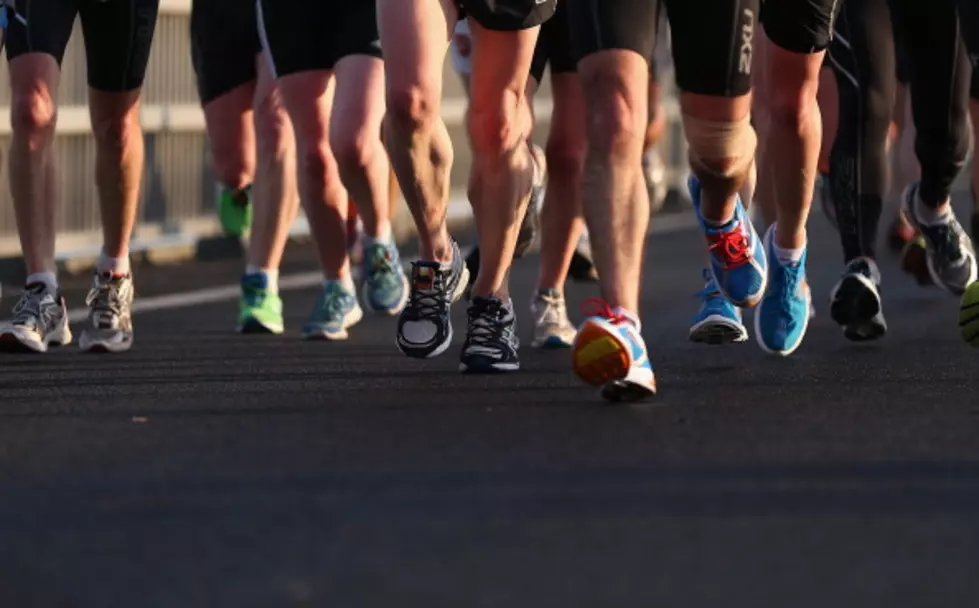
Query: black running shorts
<point x="304" y="35"/>
<point x="508" y="15"/>
<point x="800" y="26"/>
<point x="117" y="35"/>
<point x="554" y="46"/>
<point x="223" y="45"/>
<point x="712" y="40"/>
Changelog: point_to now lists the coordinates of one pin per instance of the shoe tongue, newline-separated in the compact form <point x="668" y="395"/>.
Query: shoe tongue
<point x="424" y="276"/>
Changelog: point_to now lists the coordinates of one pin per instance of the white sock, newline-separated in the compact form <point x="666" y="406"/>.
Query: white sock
<point x="115" y="266"/>
<point x="929" y="216"/>
<point x="789" y="256"/>
<point x="49" y="279"/>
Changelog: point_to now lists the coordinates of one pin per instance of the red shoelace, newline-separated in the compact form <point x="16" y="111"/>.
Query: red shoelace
<point x="597" y="307"/>
<point x="731" y="247"/>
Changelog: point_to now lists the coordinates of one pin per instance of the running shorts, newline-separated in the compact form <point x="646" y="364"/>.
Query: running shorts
<point x="712" y="42"/>
<point x="800" y="26"/>
<point x="223" y="45"/>
<point x="554" y="46"/>
<point x="117" y="36"/>
<point x="304" y="35"/>
<point x="508" y="15"/>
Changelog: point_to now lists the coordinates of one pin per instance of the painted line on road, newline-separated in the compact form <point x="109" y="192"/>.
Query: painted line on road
<point x="303" y="280"/>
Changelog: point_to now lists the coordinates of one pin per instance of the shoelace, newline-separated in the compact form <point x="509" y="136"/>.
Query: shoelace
<point x="427" y="298"/>
<point x="383" y="267"/>
<point x="486" y="327"/>
<point x="332" y="303"/>
<point x="554" y="312"/>
<point x="105" y="299"/>
<point x="946" y="238"/>
<point x="27" y="310"/>
<point x="731" y="247"/>
<point x="597" y="307"/>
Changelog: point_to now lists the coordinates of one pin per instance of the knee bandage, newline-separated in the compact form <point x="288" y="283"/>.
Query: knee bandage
<point x="721" y="152"/>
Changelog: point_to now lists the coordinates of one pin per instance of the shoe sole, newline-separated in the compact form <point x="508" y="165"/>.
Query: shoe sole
<point x="11" y="342"/>
<point x="353" y="318"/>
<point x="551" y="343"/>
<point x="715" y="331"/>
<point x="855" y="307"/>
<point x="621" y="391"/>
<point x="99" y="346"/>
<point x="253" y="326"/>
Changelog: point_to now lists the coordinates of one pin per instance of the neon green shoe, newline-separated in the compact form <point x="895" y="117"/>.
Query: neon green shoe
<point x="259" y="310"/>
<point x="235" y="210"/>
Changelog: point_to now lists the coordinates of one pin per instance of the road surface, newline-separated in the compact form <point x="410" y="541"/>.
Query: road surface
<point x="209" y="469"/>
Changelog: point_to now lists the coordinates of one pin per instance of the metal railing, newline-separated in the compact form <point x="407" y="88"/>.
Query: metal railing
<point x="178" y="188"/>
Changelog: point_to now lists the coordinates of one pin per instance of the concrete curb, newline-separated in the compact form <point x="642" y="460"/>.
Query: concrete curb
<point x="203" y="241"/>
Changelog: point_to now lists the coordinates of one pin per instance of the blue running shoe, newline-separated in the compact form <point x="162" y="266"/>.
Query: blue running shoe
<point x="783" y="314"/>
<point x="737" y="256"/>
<point x="609" y="352"/>
<point x="718" y="321"/>
<point x="336" y="310"/>
<point x="385" y="287"/>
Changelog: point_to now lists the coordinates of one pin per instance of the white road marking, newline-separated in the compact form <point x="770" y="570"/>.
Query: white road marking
<point x="304" y="280"/>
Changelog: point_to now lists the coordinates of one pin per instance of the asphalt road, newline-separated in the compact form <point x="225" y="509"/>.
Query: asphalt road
<point x="207" y="469"/>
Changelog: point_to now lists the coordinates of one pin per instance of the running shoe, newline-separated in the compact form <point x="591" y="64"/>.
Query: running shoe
<point x="737" y="256"/>
<point x="385" y="289"/>
<point x="109" y="328"/>
<point x="491" y="338"/>
<point x="855" y="302"/>
<point x="530" y="228"/>
<point x="235" y="210"/>
<point x="424" y="327"/>
<point x="552" y="328"/>
<point x="718" y="321"/>
<point x="654" y="170"/>
<point x="336" y="311"/>
<point x="783" y="313"/>
<point x="609" y="352"/>
<point x="40" y="320"/>
<point x="951" y="259"/>
<point x="582" y="266"/>
<point x="259" y="308"/>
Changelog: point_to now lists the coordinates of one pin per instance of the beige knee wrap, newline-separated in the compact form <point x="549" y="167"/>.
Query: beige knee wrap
<point x="721" y="153"/>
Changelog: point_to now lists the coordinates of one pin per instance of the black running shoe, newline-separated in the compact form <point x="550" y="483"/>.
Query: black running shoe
<point x="855" y="301"/>
<point x="424" y="326"/>
<point x="491" y="340"/>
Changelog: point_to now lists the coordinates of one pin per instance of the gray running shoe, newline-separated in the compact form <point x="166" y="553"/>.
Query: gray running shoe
<point x="40" y="320"/>
<point x="109" y="327"/>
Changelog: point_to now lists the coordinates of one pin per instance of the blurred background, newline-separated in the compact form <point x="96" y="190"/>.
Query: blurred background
<point x="178" y="194"/>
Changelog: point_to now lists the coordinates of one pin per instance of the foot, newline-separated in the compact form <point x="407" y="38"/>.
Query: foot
<point x="259" y="308"/>
<point x="950" y="256"/>
<point x="855" y="302"/>
<point x="385" y="289"/>
<point x="40" y="320"/>
<point x="783" y="314"/>
<point x="609" y="352"/>
<point x="109" y="328"/>
<point x="491" y="339"/>
<point x="552" y="328"/>
<point x="335" y="312"/>
<point x="737" y="256"/>
<point x="718" y="321"/>
<point x="424" y="327"/>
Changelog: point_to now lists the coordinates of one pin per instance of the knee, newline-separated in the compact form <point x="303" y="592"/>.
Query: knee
<point x="354" y="148"/>
<point x="272" y="126"/>
<point x="793" y="104"/>
<point x="721" y="153"/>
<point x="413" y="108"/>
<point x="113" y="132"/>
<point x="32" y="116"/>
<point x="316" y="162"/>
<point x="616" y="119"/>
<point x="495" y="127"/>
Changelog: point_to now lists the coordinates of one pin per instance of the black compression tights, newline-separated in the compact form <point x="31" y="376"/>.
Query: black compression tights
<point x="862" y="57"/>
